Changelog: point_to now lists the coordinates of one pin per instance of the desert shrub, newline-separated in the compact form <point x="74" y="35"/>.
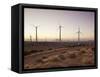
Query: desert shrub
<point x="30" y="52"/>
<point x="41" y="50"/>
<point x="39" y="61"/>
<point x="27" y="67"/>
<point x="72" y="56"/>
<point x="50" y="49"/>
<point x="83" y="51"/>
<point x="44" y="57"/>
<point x="55" y="60"/>
<point x="88" y="62"/>
<point x="25" y="52"/>
<point x="92" y="49"/>
<point x="62" y="57"/>
<point x="33" y="51"/>
<point x="78" y="49"/>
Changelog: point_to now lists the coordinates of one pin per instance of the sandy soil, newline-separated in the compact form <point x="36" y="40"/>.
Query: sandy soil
<point x="60" y="57"/>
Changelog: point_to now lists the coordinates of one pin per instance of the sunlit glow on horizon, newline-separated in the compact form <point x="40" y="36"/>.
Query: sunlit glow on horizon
<point x="48" y="22"/>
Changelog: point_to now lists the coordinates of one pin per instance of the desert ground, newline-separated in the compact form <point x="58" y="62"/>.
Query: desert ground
<point x="57" y="54"/>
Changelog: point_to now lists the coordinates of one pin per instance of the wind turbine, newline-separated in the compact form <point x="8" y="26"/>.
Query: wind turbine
<point x="60" y="33"/>
<point x="36" y="28"/>
<point x="30" y="38"/>
<point x="78" y="35"/>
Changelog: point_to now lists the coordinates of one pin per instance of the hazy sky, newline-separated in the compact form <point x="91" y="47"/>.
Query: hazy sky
<point x="48" y="22"/>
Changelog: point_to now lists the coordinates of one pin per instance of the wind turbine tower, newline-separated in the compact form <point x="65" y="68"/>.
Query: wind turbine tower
<point x="36" y="34"/>
<point x="60" y="33"/>
<point x="78" y="35"/>
<point x="36" y="27"/>
<point x="30" y="38"/>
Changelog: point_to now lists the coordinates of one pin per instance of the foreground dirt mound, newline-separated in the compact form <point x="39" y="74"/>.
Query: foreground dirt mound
<point x="60" y="57"/>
